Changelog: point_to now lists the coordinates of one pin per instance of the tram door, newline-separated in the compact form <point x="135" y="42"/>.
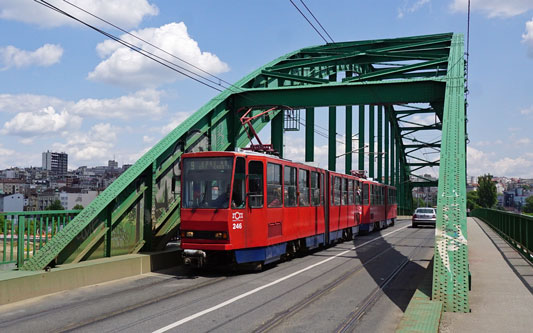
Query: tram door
<point x="255" y="212"/>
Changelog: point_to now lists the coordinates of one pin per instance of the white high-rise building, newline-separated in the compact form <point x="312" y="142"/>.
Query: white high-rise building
<point x="55" y="162"/>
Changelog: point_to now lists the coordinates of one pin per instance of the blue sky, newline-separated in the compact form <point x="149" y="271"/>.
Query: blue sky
<point x="63" y="87"/>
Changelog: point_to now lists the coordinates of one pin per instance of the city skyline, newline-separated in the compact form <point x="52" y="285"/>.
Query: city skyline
<point x="67" y="88"/>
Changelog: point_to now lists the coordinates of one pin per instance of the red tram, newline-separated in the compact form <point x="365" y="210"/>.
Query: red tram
<point x="253" y="208"/>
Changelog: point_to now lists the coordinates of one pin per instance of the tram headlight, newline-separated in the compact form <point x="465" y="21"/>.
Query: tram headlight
<point x="221" y="235"/>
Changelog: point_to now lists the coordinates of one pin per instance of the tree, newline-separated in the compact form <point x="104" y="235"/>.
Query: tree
<point x="56" y="205"/>
<point x="418" y="202"/>
<point x="486" y="191"/>
<point x="472" y="200"/>
<point x="78" y="207"/>
<point x="2" y="221"/>
<point x="528" y="208"/>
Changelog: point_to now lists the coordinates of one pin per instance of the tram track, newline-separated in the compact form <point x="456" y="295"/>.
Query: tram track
<point x="351" y="321"/>
<point x="283" y="316"/>
<point x="85" y="303"/>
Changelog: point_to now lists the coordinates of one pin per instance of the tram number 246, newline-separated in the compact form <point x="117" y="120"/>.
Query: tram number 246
<point x="237" y="226"/>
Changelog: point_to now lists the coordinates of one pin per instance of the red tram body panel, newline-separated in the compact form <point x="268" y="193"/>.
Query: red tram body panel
<point x="256" y="208"/>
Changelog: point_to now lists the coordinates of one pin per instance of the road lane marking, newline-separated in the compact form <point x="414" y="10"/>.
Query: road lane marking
<point x="253" y="291"/>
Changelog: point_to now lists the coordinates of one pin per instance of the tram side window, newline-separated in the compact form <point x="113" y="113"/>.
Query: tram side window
<point x="255" y="184"/>
<point x="239" y="185"/>
<point x="358" y="192"/>
<point x="344" y="198"/>
<point x="322" y="187"/>
<point x="337" y="191"/>
<point x="365" y="194"/>
<point x="350" y="192"/>
<point x="315" y="188"/>
<point x="289" y="180"/>
<point x="303" y="187"/>
<point x="274" y="185"/>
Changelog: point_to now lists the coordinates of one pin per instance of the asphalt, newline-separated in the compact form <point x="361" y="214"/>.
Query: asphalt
<point x="348" y="287"/>
<point x="501" y="299"/>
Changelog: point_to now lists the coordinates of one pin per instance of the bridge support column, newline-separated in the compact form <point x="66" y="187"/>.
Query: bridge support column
<point x="276" y="132"/>
<point x="332" y="135"/>
<point x="349" y="122"/>
<point x="380" y="144"/>
<point x="361" y="156"/>
<point x="397" y="162"/>
<point x="371" y="143"/>
<point x="309" y="134"/>
<point x="386" y="153"/>
<point x="392" y="156"/>
<point x="349" y="148"/>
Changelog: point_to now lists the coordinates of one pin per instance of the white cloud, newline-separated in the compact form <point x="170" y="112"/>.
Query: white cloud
<point x="26" y="141"/>
<point x="480" y="163"/>
<point x="124" y="13"/>
<point x="42" y="122"/>
<point x="125" y="67"/>
<point x="527" y="38"/>
<point x="175" y="120"/>
<point x="6" y="157"/>
<point x="141" y="103"/>
<point x="409" y="8"/>
<point x="148" y="139"/>
<point x="24" y="102"/>
<point x="46" y="55"/>
<point x="494" y="8"/>
<point x="95" y="146"/>
<point x="523" y="141"/>
<point x="529" y="110"/>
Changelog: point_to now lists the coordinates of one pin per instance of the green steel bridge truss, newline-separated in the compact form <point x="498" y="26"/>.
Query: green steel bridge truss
<point x="392" y="81"/>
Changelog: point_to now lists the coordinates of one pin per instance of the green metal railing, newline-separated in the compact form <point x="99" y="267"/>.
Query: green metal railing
<point x="517" y="229"/>
<point x="22" y="234"/>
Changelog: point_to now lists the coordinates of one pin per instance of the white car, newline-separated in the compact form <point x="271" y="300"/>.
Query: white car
<point x="424" y="215"/>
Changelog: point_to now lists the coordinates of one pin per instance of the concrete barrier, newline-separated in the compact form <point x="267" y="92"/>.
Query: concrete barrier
<point x="20" y="285"/>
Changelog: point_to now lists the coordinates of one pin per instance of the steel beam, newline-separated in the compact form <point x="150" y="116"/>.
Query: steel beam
<point x="380" y="143"/>
<point x="348" y="133"/>
<point x="371" y="140"/>
<point x="332" y="133"/>
<point x="450" y="270"/>
<point x="361" y="156"/>
<point x="337" y="94"/>
<point x="277" y="133"/>
<point x="309" y="134"/>
<point x="387" y="152"/>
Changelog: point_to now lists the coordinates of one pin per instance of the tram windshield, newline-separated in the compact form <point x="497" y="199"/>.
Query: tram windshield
<point x="207" y="182"/>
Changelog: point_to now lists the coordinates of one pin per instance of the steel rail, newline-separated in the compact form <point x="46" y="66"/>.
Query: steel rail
<point x="377" y="292"/>
<point x="281" y="317"/>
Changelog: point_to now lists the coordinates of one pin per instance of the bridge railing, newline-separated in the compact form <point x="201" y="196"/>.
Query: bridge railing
<point x="22" y="234"/>
<point x="517" y="229"/>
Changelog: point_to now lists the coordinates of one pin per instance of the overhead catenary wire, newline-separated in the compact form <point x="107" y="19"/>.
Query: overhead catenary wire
<point x="152" y="45"/>
<point x="135" y="48"/>
<point x="308" y="21"/>
<point x="317" y="21"/>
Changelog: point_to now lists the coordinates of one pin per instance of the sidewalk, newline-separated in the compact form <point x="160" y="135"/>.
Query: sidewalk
<point x="501" y="298"/>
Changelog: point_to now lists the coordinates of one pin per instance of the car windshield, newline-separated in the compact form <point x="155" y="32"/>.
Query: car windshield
<point x="207" y="182"/>
<point x="425" y="211"/>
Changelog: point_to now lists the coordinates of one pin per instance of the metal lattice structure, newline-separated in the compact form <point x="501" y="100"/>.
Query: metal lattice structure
<point x="392" y="83"/>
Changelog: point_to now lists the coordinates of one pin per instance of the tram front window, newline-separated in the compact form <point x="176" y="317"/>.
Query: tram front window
<point x="207" y="182"/>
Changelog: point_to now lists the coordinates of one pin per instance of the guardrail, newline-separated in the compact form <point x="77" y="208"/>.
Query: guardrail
<point x="517" y="229"/>
<point x="22" y="234"/>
